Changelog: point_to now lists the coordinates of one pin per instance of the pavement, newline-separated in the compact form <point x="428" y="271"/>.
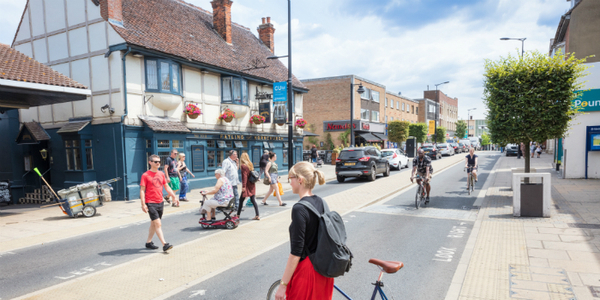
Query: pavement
<point x="505" y="257"/>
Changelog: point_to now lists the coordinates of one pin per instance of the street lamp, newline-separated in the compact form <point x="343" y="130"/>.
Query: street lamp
<point x="516" y="39"/>
<point x="289" y="90"/>
<point x="437" y="111"/>
<point x="360" y="91"/>
<point x="469" y="119"/>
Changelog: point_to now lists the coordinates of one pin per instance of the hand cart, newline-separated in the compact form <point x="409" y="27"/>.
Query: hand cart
<point x="83" y="198"/>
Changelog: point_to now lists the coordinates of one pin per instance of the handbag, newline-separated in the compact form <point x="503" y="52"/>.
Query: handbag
<point x="253" y="176"/>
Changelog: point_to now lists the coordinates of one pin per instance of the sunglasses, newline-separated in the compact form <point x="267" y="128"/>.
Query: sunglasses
<point x="155" y="161"/>
<point x="292" y="177"/>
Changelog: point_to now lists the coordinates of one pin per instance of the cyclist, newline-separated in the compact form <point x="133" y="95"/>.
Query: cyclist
<point x="422" y="165"/>
<point x="471" y="160"/>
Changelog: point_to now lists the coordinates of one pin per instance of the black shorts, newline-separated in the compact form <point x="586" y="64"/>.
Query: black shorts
<point x="155" y="210"/>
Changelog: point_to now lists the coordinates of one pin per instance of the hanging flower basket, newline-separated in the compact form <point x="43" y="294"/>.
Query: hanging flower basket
<point x="280" y="124"/>
<point x="192" y="111"/>
<point x="227" y="115"/>
<point x="257" y="119"/>
<point x="300" y="123"/>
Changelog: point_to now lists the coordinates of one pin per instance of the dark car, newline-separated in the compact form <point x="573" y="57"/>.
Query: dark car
<point x="432" y="151"/>
<point x="511" y="149"/>
<point x="361" y="162"/>
<point x="456" y="147"/>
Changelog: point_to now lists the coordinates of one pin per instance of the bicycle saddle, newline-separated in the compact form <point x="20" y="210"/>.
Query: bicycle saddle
<point x="389" y="267"/>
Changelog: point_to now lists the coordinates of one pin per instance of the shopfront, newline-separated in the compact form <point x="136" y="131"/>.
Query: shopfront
<point x="364" y="132"/>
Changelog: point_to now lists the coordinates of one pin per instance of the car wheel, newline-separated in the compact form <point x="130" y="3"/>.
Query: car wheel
<point x="387" y="170"/>
<point x="341" y="179"/>
<point x="373" y="175"/>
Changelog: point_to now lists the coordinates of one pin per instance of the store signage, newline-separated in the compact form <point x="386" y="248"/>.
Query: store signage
<point x="262" y="95"/>
<point x="279" y="102"/>
<point x="588" y="101"/>
<point x="339" y="125"/>
<point x="197" y="158"/>
<point x="431" y="126"/>
<point x="366" y="126"/>
<point x="264" y="109"/>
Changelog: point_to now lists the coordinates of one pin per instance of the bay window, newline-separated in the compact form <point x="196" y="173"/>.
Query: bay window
<point x="234" y="90"/>
<point x="163" y="76"/>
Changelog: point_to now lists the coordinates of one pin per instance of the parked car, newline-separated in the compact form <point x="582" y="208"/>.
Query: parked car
<point x="457" y="148"/>
<point x="361" y="162"/>
<point x="432" y="151"/>
<point x="445" y="149"/>
<point x="511" y="149"/>
<point x="463" y="147"/>
<point x="475" y="143"/>
<point x="396" y="157"/>
<point x="467" y="144"/>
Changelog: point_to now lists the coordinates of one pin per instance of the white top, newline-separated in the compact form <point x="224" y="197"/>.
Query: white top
<point x="231" y="171"/>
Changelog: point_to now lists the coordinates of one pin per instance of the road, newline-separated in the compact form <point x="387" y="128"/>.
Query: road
<point x="430" y="242"/>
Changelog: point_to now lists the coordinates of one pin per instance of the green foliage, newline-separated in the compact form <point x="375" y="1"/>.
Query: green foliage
<point x="529" y="98"/>
<point x="461" y="129"/>
<point x="440" y="135"/>
<point x="312" y="140"/>
<point x="345" y="136"/>
<point x="398" y="131"/>
<point x="485" y="139"/>
<point x="419" y="131"/>
<point x="329" y="142"/>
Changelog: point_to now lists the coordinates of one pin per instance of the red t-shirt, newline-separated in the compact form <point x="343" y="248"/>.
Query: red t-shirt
<point x="154" y="182"/>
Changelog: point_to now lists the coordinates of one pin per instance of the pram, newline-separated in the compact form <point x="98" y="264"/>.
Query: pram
<point x="228" y="222"/>
<point x="319" y="162"/>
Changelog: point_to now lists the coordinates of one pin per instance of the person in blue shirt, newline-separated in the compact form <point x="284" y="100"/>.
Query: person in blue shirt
<point x="471" y="161"/>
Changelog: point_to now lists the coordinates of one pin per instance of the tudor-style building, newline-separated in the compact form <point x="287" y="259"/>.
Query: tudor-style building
<point x="145" y="61"/>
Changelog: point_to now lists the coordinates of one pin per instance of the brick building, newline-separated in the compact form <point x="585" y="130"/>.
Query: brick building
<point x="400" y="108"/>
<point x="448" y="109"/>
<point x="327" y="108"/>
<point x="427" y="110"/>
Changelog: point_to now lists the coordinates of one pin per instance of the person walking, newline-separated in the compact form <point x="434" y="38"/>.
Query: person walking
<point x="532" y="149"/>
<point x="538" y="150"/>
<point x="248" y="187"/>
<point x="314" y="155"/>
<point x="264" y="160"/>
<point x="272" y="177"/>
<point x="172" y="175"/>
<point x="151" y="189"/>
<point x="183" y="171"/>
<point x="300" y="280"/>
<point x="231" y="165"/>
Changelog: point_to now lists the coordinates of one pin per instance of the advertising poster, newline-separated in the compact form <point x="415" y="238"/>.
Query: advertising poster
<point x="595" y="139"/>
<point x="279" y="102"/>
<point x="264" y="109"/>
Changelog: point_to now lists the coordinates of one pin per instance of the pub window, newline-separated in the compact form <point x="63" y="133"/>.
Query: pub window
<point x="162" y="143"/>
<point x="238" y="144"/>
<point x="73" y="152"/>
<point x="375" y="96"/>
<point x="220" y="158"/>
<point x="221" y="144"/>
<point x="266" y="145"/>
<point x="228" y="144"/>
<point x="148" y="143"/>
<point x="89" y="158"/>
<point x="163" y="158"/>
<point x="210" y="155"/>
<point x="210" y="144"/>
<point x="163" y="76"/>
<point x="285" y="157"/>
<point x="234" y="90"/>
<point x="272" y="145"/>
<point x="177" y="143"/>
<point x="364" y="114"/>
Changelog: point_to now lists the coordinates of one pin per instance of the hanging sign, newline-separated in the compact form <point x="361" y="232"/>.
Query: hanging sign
<point x="279" y="102"/>
<point x="264" y="109"/>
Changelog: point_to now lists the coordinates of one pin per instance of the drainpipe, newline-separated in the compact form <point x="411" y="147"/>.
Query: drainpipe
<point x="125" y="179"/>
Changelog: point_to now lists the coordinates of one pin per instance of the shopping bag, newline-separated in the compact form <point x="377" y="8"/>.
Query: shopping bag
<point x="280" y="190"/>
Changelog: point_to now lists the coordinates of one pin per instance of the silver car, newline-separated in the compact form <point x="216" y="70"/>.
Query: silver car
<point x="396" y="157"/>
<point x="445" y="149"/>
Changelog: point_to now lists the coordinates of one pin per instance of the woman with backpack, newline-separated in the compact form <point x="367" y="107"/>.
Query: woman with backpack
<point x="300" y="280"/>
<point x="248" y="187"/>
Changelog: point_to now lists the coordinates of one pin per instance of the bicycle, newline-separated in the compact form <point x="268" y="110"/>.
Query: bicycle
<point x="389" y="267"/>
<point x="421" y="193"/>
<point x="470" y="179"/>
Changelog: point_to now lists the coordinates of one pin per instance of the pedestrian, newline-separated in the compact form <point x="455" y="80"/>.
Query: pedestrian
<point x="263" y="164"/>
<point x="272" y="178"/>
<point x="231" y="165"/>
<point x="538" y="150"/>
<point x="532" y="148"/>
<point x="520" y="150"/>
<point x="300" y="280"/>
<point x="314" y="155"/>
<point x="151" y="189"/>
<point x="223" y="192"/>
<point x="172" y="175"/>
<point x="183" y="171"/>
<point x="248" y="187"/>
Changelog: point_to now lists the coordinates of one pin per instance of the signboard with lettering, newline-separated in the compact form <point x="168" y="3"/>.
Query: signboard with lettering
<point x="589" y="101"/>
<point x="339" y="125"/>
<point x="262" y="95"/>
<point x="197" y="158"/>
<point x="264" y="109"/>
<point x="279" y="102"/>
<point x="431" y="127"/>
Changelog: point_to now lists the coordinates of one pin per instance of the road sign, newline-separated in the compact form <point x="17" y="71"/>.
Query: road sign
<point x="431" y="126"/>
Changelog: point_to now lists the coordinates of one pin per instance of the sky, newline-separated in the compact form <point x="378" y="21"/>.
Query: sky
<point x="404" y="45"/>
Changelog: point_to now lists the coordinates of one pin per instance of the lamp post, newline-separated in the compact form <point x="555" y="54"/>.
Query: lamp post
<point x="290" y="92"/>
<point x="517" y="39"/>
<point x="469" y="119"/>
<point x="437" y="111"/>
<point x="360" y="91"/>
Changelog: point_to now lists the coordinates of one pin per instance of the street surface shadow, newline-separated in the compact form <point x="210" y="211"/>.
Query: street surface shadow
<point x="64" y="217"/>
<point x="192" y="229"/>
<point x="123" y="252"/>
<point x="502" y="216"/>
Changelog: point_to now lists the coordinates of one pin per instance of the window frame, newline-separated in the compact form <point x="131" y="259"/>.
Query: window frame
<point x="159" y="86"/>
<point x="375" y="116"/>
<point x="373" y="97"/>
<point x="368" y="112"/>
<point x="244" y="92"/>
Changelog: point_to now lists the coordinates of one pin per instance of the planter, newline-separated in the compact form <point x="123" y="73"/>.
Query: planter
<point x="193" y="116"/>
<point x="532" y="200"/>
<point x="301" y="127"/>
<point x="333" y="157"/>
<point x="257" y="122"/>
<point x="228" y="119"/>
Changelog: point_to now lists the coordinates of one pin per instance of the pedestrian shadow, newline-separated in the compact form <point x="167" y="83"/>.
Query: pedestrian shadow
<point x="123" y="252"/>
<point x="192" y="229"/>
<point x="65" y="217"/>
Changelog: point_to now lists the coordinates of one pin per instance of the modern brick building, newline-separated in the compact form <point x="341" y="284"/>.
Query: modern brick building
<point x="400" y="108"/>
<point x="448" y="109"/>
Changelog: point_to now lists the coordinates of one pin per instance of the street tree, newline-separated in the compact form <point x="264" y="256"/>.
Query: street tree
<point x="398" y="131"/>
<point x="419" y="131"/>
<point x="440" y="134"/>
<point x="485" y="139"/>
<point x="461" y="129"/>
<point x="529" y="98"/>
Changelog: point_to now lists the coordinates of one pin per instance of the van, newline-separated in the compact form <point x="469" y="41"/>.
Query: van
<point x="475" y="142"/>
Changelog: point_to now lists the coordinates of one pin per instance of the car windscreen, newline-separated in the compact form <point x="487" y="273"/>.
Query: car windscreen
<point x="387" y="153"/>
<point x="427" y="148"/>
<point x="442" y="145"/>
<point x="351" y="154"/>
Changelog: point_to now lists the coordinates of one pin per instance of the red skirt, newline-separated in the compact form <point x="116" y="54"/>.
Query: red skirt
<point x="308" y="284"/>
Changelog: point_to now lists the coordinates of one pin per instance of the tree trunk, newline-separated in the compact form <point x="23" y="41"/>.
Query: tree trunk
<point x="527" y="154"/>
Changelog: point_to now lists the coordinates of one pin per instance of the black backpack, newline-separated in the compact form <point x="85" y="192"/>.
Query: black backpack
<point x="332" y="257"/>
<point x="253" y="176"/>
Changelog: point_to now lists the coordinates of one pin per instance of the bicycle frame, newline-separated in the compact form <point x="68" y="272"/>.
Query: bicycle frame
<point x="376" y="290"/>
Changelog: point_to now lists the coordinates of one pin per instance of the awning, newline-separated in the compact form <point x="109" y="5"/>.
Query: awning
<point x="381" y="136"/>
<point x="165" y="125"/>
<point x="32" y="133"/>
<point x="307" y="133"/>
<point x="73" y="127"/>
<point x="369" y="137"/>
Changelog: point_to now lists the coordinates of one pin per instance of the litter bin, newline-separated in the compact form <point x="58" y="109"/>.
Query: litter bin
<point x="82" y="198"/>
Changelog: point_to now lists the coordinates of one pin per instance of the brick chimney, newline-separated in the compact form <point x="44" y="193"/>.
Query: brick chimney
<point x="266" y="33"/>
<point x="112" y="10"/>
<point x="222" y="18"/>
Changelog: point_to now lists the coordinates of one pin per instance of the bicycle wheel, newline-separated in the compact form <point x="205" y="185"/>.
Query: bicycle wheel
<point x="273" y="290"/>
<point x="418" y="197"/>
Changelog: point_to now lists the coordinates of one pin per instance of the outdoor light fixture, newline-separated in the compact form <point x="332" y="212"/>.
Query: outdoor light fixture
<point x="516" y="39"/>
<point x="105" y="107"/>
<point x="44" y="153"/>
<point x="437" y="111"/>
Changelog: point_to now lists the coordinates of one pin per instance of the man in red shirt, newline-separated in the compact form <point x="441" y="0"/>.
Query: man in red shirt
<point x="151" y="189"/>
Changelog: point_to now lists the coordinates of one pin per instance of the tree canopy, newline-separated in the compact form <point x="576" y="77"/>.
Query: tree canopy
<point x="419" y="131"/>
<point x="461" y="129"/>
<point x="485" y="139"/>
<point x="440" y="134"/>
<point x="398" y="131"/>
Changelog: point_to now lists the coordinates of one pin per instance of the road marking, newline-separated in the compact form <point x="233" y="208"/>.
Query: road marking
<point x="445" y="254"/>
<point x="457" y="231"/>
<point x="82" y="271"/>
<point x="197" y="293"/>
<point x="6" y="253"/>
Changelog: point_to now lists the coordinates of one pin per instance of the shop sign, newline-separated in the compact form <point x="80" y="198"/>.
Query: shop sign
<point x="339" y="125"/>
<point x="197" y="158"/>
<point x="279" y="102"/>
<point x="264" y="109"/>
<point x="262" y="95"/>
<point x="588" y="101"/>
<point x="366" y="126"/>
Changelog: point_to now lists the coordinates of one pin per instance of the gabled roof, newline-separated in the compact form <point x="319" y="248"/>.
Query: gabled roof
<point x="17" y="66"/>
<point x="184" y="30"/>
<point x="165" y="125"/>
<point x="37" y="131"/>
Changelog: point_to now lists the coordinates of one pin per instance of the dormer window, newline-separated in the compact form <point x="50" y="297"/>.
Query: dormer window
<point x="163" y="76"/>
<point x="234" y="90"/>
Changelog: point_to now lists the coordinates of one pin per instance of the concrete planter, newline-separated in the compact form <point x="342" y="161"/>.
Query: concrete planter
<point x="533" y="199"/>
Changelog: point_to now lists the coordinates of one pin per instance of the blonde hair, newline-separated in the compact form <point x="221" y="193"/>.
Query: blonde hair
<point x="181" y="155"/>
<point x="307" y="171"/>
<point x="245" y="159"/>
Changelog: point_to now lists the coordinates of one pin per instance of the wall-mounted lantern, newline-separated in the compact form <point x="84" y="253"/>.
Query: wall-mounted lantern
<point x="44" y="153"/>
